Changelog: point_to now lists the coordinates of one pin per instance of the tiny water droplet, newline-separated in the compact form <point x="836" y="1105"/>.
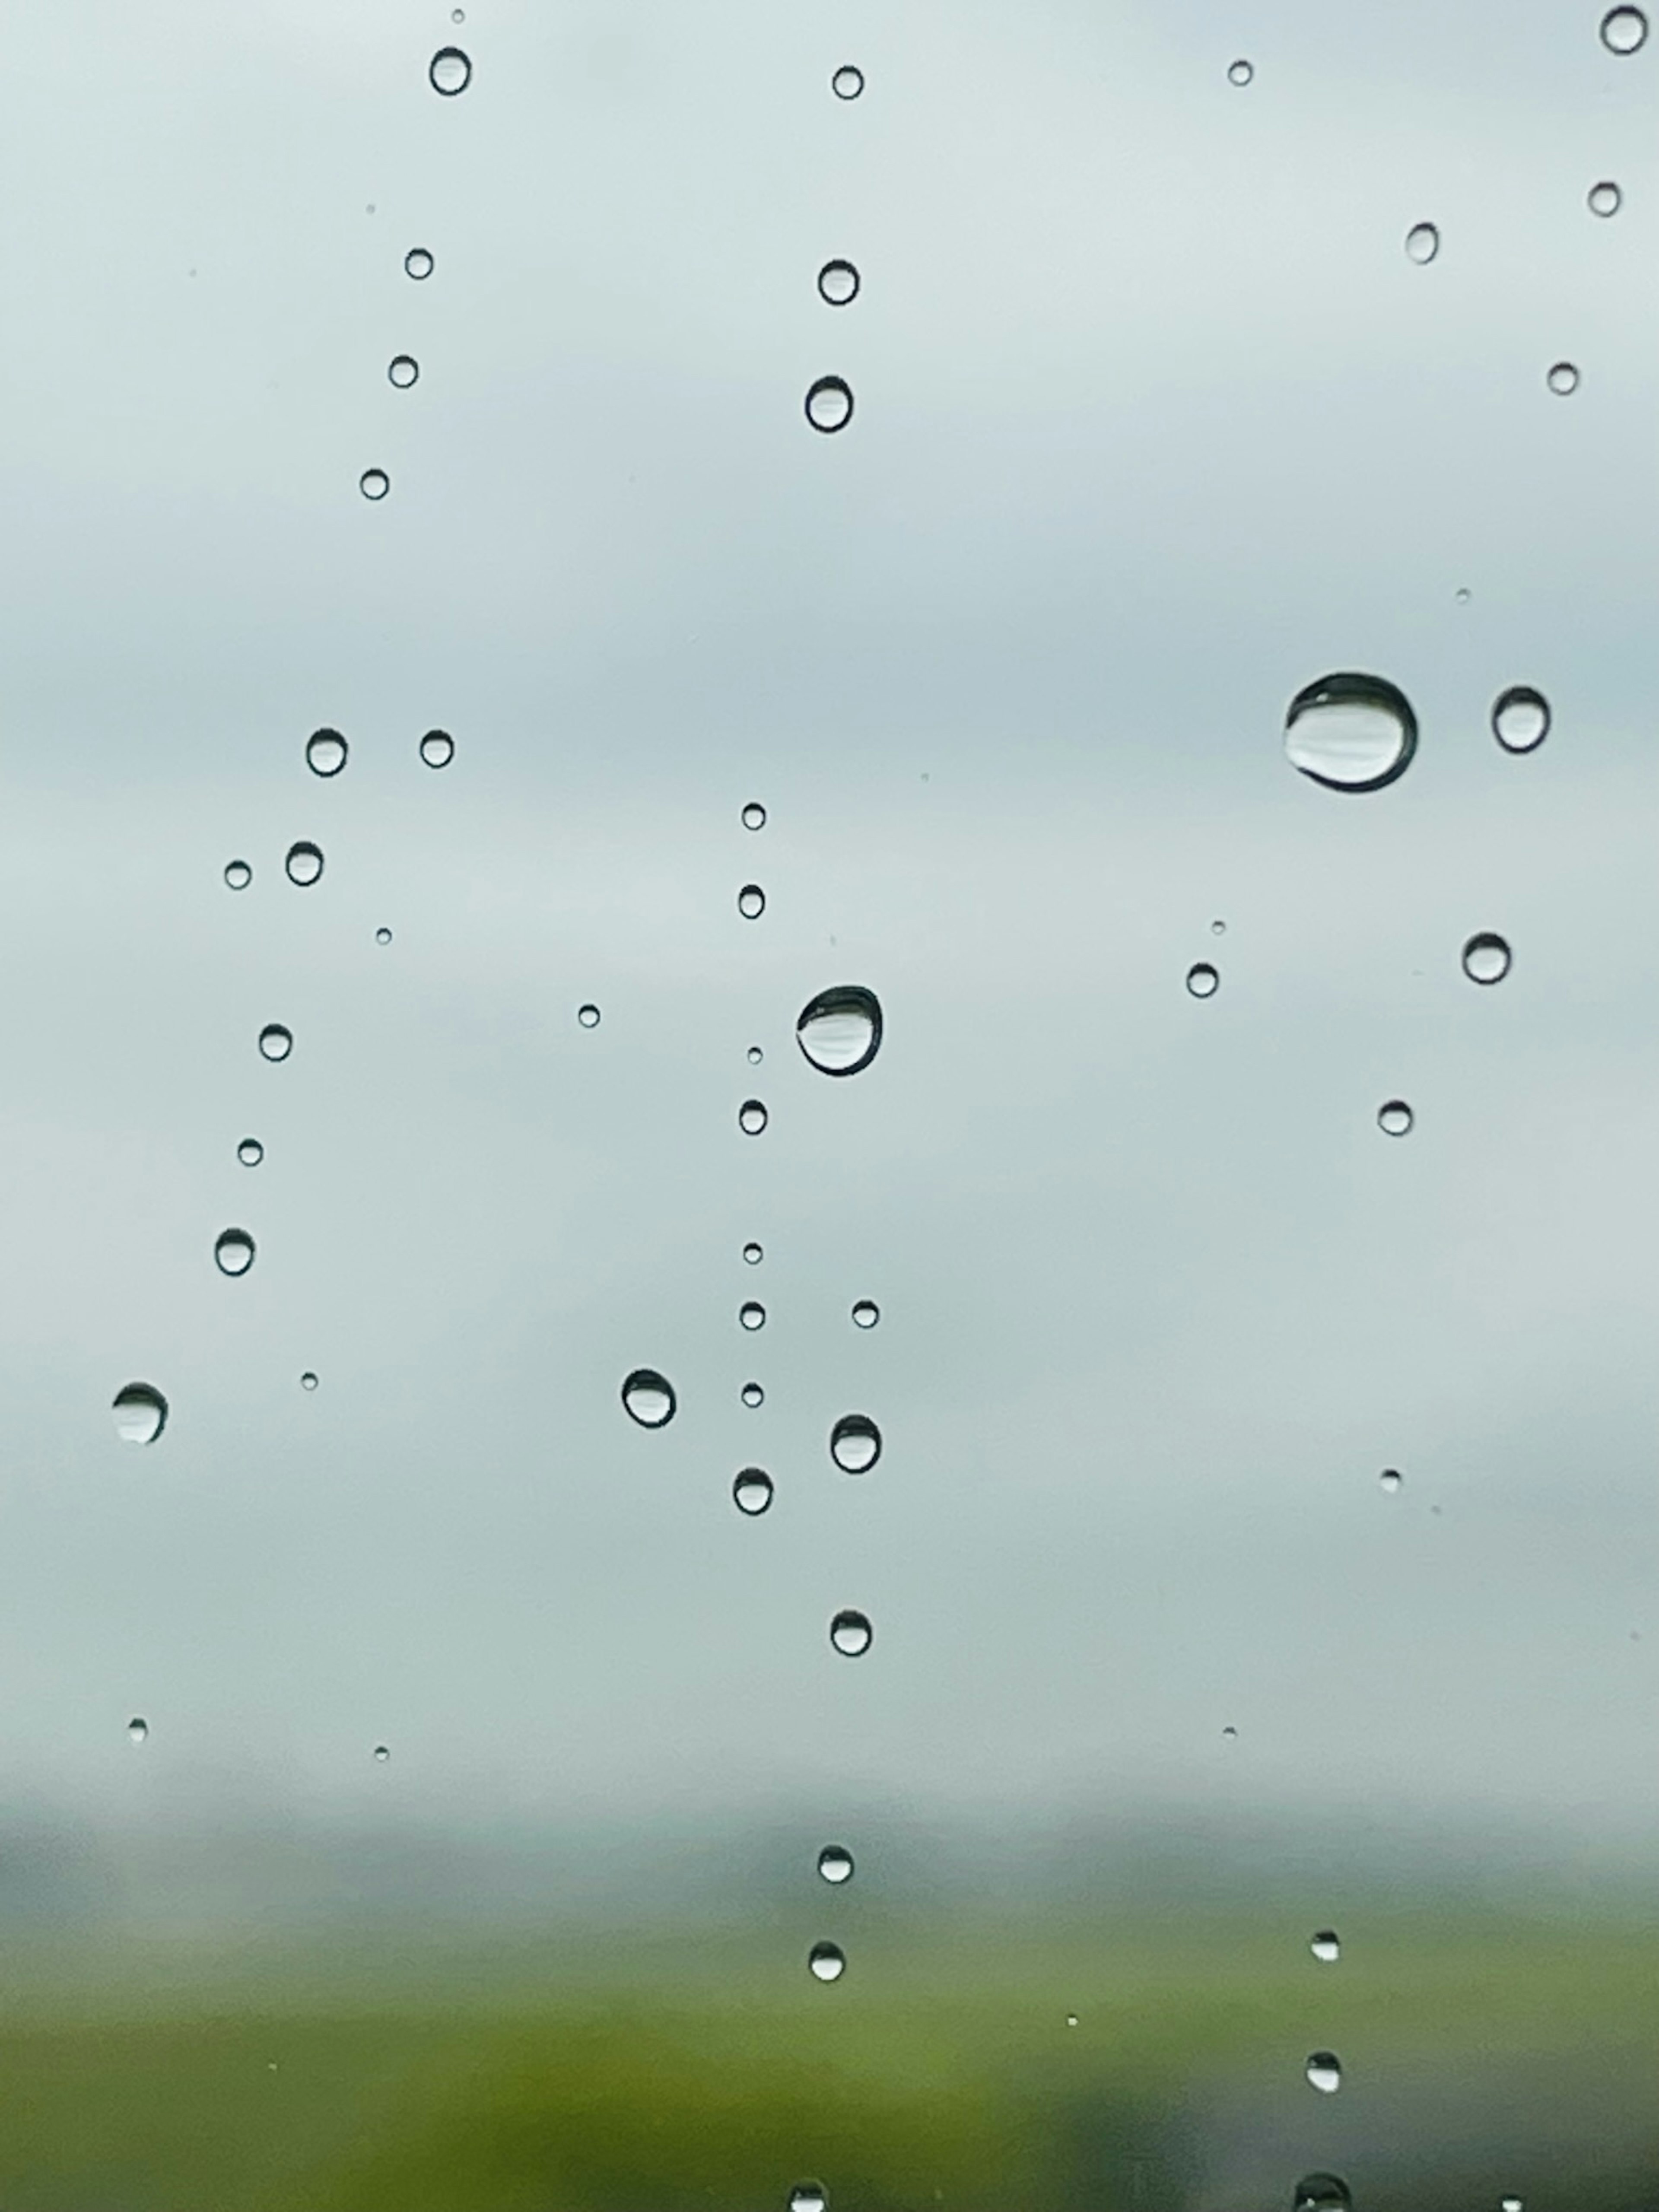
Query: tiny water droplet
<point x="1562" y="377"/>
<point x="1351" y="732"/>
<point x="1394" y="1118"/>
<point x="753" y="1055"/>
<point x="1605" y="198"/>
<point x="250" y="1151"/>
<point x="1391" y="1479"/>
<point x="836" y="1863"/>
<point x="838" y="284"/>
<point x="1240" y="72"/>
<point x="234" y="1250"/>
<point x="649" y="1398"/>
<point x="866" y="1314"/>
<point x="382" y="1753"/>
<point x="437" y="748"/>
<point x="856" y="1443"/>
<point x="753" y="1254"/>
<point x="1487" y="957"/>
<point x="752" y="1394"/>
<point x="1324" y="2072"/>
<point x="137" y="1728"/>
<point x="325" y="752"/>
<point x="1511" y="2205"/>
<point x="1422" y="242"/>
<point x="754" y="815"/>
<point x="383" y="937"/>
<point x="1229" y="1734"/>
<point x="751" y="1117"/>
<point x="237" y="875"/>
<point x="830" y="403"/>
<point x="752" y="1315"/>
<point x="751" y="902"/>
<point x="851" y="1634"/>
<point x="451" y="71"/>
<point x="141" y="1412"/>
<point x="1624" y="29"/>
<point x="840" y="1030"/>
<point x="418" y="263"/>
<point x="848" y="82"/>
<point x="1322" y="2192"/>
<point x="1520" y="719"/>
<point x="374" y="484"/>
<point x="401" y="370"/>
<point x="1202" y="980"/>
<point x="1325" y="1947"/>
<point x="828" y="1961"/>
<point x="809" y="2196"/>
<point x="276" y="1042"/>
<point x="751" y="1493"/>
<point x="308" y="1381"/>
<point x="304" y="863"/>
<point x="1461" y="595"/>
<point x="588" y="1015"/>
<point x="1218" y="929"/>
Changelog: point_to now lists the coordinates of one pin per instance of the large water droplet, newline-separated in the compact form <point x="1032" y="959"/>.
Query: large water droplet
<point x="649" y="1398"/>
<point x="141" y="1412"/>
<point x="1624" y="29"/>
<point x="829" y="402"/>
<point x="848" y="82"/>
<point x="1605" y="198"/>
<point x="866" y="1314"/>
<point x="751" y="1493"/>
<point x="250" y="1151"/>
<point x="1487" y="957"/>
<point x="1351" y="732"/>
<point x="403" y="370"/>
<point x="851" y="1633"/>
<point x="588" y="1015"/>
<point x="1391" y="1479"/>
<point x="1520" y="719"/>
<point x="752" y="1394"/>
<point x="1422" y="242"/>
<point x="233" y="1249"/>
<point x="304" y="863"/>
<point x="137" y="1728"/>
<point x="374" y="484"/>
<point x="1325" y="1947"/>
<point x="836" y="1863"/>
<point x="754" y="815"/>
<point x="751" y="902"/>
<point x="828" y="1961"/>
<point x="809" y="2196"/>
<point x="237" y="875"/>
<point x="1240" y="72"/>
<point x="751" y="1117"/>
<point x="856" y="1443"/>
<point x="1202" y="980"/>
<point x="276" y="1042"/>
<point x="1324" y="2072"/>
<point x="437" y="748"/>
<point x="417" y="261"/>
<point x="838" y="283"/>
<point x="325" y="752"/>
<point x="451" y="71"/>
<point x="1322" y="2192"/>
<point x="1562" y="377"/>
<point x="752" y="1315"/>
<point x="840" y="1030"/>
<point x="1394" y="1118"/>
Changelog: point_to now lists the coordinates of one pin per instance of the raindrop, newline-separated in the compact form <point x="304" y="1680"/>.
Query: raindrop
<point x="1562" y="377"/>
<point x="1461" y="595"/>
<point x="751" y="1493"/>
<point x="754" y="815"/>
<point x="752" y="1315"/>
<point x="1624" y="29"/>
<point x="234" y="1250"/>
<point x="383" y="937"/>
<point x="1351" y="732"/>
<point x="838" y="284"/>
<point x="250" y="1151"/>
<point x="401" y="370"/>
<point x="1325" y="1947"/>
<point x="866" y="1314"/>
<point x="836" y="1863"/>
<point x="325" y="752"/>
<point x="649" y="1398"/>
<point x="1218" y="929"/>
<point x="237" y="875"/>
<point x="753" y="1055"/>
<point x="1071" y="2020"/>
<point x="1605" y="198"/>
<point x="304" y="863"/>
<point x="437" y="748"/>
<point x="1520" y="719"/>
<point x="840" y="1030"/>
<point x="1422" y="242"/>
<point x="751" y="1117"/>
<point x="588" y="1015"/>
<point x="1229" y="1735"/>
<point x="308" y="1381"/>
<point x="382" y="1752"/>
<point x="830" y="403"/>
<point x="809" y="2196"/>
<point x="753" y="1254"/>
<point x="848" y="82"/>
<point x="752" y="1394"/>
<point x="1394" y="1118"/>
<point x="1487" y="957"/>
<point x="137" y="1728"/>
<point x="1202" y="981"/>
<point x="418" y="263"/>
<point x="851" y="1634"/>
<point x="856" y="1443"/>
<point x="141" y="1413"/>
<point x="1240" y="72"/>
<point x="751" y="902"/>
<point x="1510" y="2204"/>
<point x="276" y="1042"/>
<point x="374" y="484"/>
<point x="1390" y="1479"/>
<point x="451" y="71"/>
<point x="1324" y="2072"/>
<point x="828" y="1961"/>
<point x="1322" y="2192"/>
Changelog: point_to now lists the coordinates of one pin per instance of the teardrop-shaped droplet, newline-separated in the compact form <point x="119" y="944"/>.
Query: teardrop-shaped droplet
<point x="1324" y="2072"/>
<point x="1624" y="29"/>
<point x="141" y="1412"/>
<point x="851" y="1634"/>
<point x="1394" y="1118"/>
<point x="754" y="815"/>
<point x="1487" y="957"/>
<point x="137" y="1728"/>
<point x="838" y="284"/>
<point x="1351" y="732"/>
<point x="836" y="1863"/>
<point x="751" y="902"/>
<point x="649" y="1398"/>
<point x="1422" y="242"/>
<point x="304" y="863"/>
<point x="1520" y="719"/>
<point x="1322" y="2192"/>
<point x="848" y="82"/>
<point x="856" y="1443"/>
<point x="234" y="1250"/>
<point x="830" y="403"/>
<point x="840" y="1030"/>
<point x="451" y="71"/>
<point x="250" y="1151"/>
<point x="276" y="1042"/>
<point x="866" y="1314"/>
<point x="751" y="1117"/>
<point x="752" y="1394"/>
<point x="751" y="1493"/>
<point x="1605" y="198"/>
<point x="809" y="2196"/>
<point x="588" y="1016"/>
<point x="752" y="1315"/>
<point x="1202" y="980"/>
<point x="374" y="484"/>
<point x="237" y="875"/>
<point x="1325" y="1947"/>
<point x="437" y="748"/>
<point x="418" y="263"/>
<point x="828" y="1961"/>
<point x="1562" y="377"/>
<point x="325" y="752"/>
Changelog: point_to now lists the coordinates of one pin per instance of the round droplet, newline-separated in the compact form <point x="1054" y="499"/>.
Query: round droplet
<point x="754" y="815"/>
<point x="1322" y="2192"/>
<point x="752" y="1394"/>
<point x="751" y="1117"/>
<point x="836" y="1863"/>
<point x="1461" y="595"/>
<point x="1202" y="981"/>
<point x="866" y="1314"/>
<point x="1324" y="2072"/>
<point x="308" y="1381"/>
<point x="1390" y="1479"/>
<point x="237" y="875"/>
<point x="141" y="1412"/>
<point x="374" y="484"/>
<point x="401" y="370"/>
<point x="1394" y="1118"/>
<point x="304" y="863"/>
<point x="752" y="1315"/>
<point x="851" y="1634"/>
<point x="234" y="1250"/>
<point x="840" y="1030"/>
<point x="325" y="752"/>
<point x="809" y="2196"/>
<point x="1520" y="719"/>
<point x="751" y="1493"/>
<point x="1240" y="72"/>
<point x="1562" y="377"/>
<point x="137" y="1728"/>
<point x="828" y="1961"/>
<point x="382" y="1753"/>
<point x="856" y="1443"/>
<point x="588" y="1015"/>
<point x="753" y="1055"/>
<point x="418" y="263"/>
<point x="1624" y="29"/>
<point x="649" y="1398"/>
<point x="753" y="1254"/>
<point x="1422" y="242"/>
<point x="848" y="82"/>
<point x="450" y="71"/>
<point x="838" y="284"/>
<point x="437" y="748"/>
<point x="1351" y="732"/>
<point x="250" y="1151"/>
<point x="383" y="937"/>
<point x="276" y="1042"/>
<point x="751" y="902"/>
<point x="1487" y="957"/>
<point x="1218" y="929"/>
<point x="830" y="403"/>
<point x="1605" y="198"/>
<point x="1325" y="1947"/>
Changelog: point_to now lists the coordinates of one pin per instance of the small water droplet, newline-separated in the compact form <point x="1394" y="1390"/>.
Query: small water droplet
<point x="588" y="1015"/>
<point x="383" y="937"/>
<point x="250" y="1151"/>
<point x="851" y="1634"/>
<point x="308" y="1381"/>
<point x="1461" y="595"/>
<point x="751" y="1493"/>
<point x="374" y="484"/>
<point x="838" y="284"/>
<point x="1324" y="2072"/>
<point x="1487" y="957"/>
<point x="848" y="82"/>
<point x="866" y="1314"/>
<point x="752" y="1315"/>
<point x="418" y="263"/>
<point x="751" y="1117"/>
<point x="1229" y="1735"/>
<point x="1624" y="29"/>
<point x="451" y="71"/>
<point x="437" y="748"/>
<point x="276" y="1042"/>
<point x="1240" y="72"/>
<point x="752" y="1394"/>
<point x="1605" y="198"/>
<point x="1422" y="242"/>
<point x="1071" y="2020"/>
<point x="1218" y="929"/>
<point x="856" y="1443"/>
<point x="809" y="2196"/>
<point x="1390" y="1479"/>
<point x="304" y="863"/>
<point x="840" y="1030"/>
<point x="325" y="752"/>
<point x="234" y="1250"/>
<point x="382" y="1753"/>
<point x="1202" y="980"/>
<point x="828" y="1961"/>
<point x="1394" y="1118"/>
<point x="237" y="875"/>
<point x="1325" y="1947"/>
<point x="836" y="1863"/>
<point x="753" y="1254"/>
<point x="137" y="1728"/>
<point x="649" y="1398"/>
<point x="1510" y="2204"/>
<point x="751" y="902"/>
<point x="754" y="815"/>
<point x="403" y="370"/>
<point x="753" y="1055"/>
<point x="1322" y="2192"/>
<point x="1520" y="719"/>
<point x="830" y="403"/>
<point x="1351" y="732"/>
<point x="141" y="1412"/>
<point x="1562" y="377"/>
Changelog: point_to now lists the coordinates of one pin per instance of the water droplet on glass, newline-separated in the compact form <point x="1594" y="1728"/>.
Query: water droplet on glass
<point x="1520" y="719"/>
<point x="829" y="402"/>
<point x="1229" y="1735"/>
<point x="1624" y="29"/>
<point x="838" y="283"/>
<point x="1240" y="72"/>
<point x="752" y="1394"/>
<point x="304" y="863"/>
<point x="588" y="1015"/>
<point x="374" y="484"/>
<point x="308" y="1381"/>
<point x="836" y="1863"/>
<point x="649" y="1398"/>
<point x="276" y="1042"/>
<point x="828" y="1961"/>
<point x="1461" y="595"/>
<point x="753" y="1491"/>
<point x="141" y="1413"/>
<point x="753" y="1055"/>
<point x="866" y="1314"/>
<point x="1487" y="957"/>
<point x="856" y="1443"/>
<point x="1351" y="732"/>
<point x="234" y="1250"/>
<point x="848" y="82"/>
<point x="840" y="1030"/>
<point x="437" y="748"/>
<point x="137" y="1728"/>
<point x="383" y="937"/>
<point x="751" y="902"/>
<point x="1562" y="377"/>
<point x="1422" y="242"/>
<point x="417" y="261"/>
<point x="1324" y="2072"/>
<point x="809" y="2196"/>
<point x="754" y="815"/>
<point x="1218" y="929"/>
<point x="382" y="1752"/>
<point x="401" y="370"/>
<point x="1325" y="1947"/>
<point x="325" y="752"/>
<point x="1202" y="981"/>
<point x="1510" y="2204"/>
<point x="237" y="875"/>
<point x="1605" y="198"/>
<point x="1394" y="1118"/>
<point x="752" y="1315"/>
<point x="1391" y="1479"/>
<point x="751" y="1117"/>
<point x="1322" y="2192"/>
<point x="451" y="71"/>
<point x="753" y="1254"/>
<point x="851" y="1634"/>
<point x="250" y="1151"/>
